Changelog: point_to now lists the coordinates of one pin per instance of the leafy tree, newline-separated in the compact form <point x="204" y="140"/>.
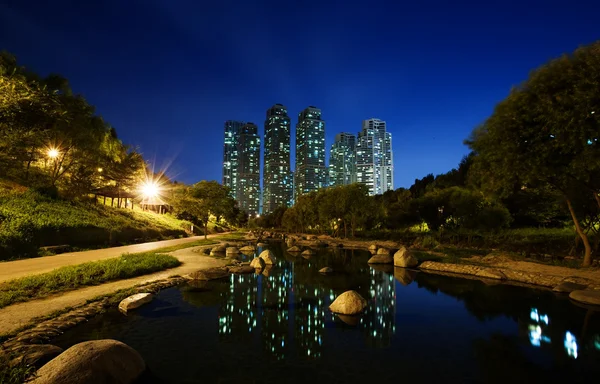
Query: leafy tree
<point x="546" y="133"/>
<point x="210" y="198"/>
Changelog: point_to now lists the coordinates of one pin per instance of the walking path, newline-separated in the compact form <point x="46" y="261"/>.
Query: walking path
<point x="14" y="269"/>
<point x="18" y="315"/>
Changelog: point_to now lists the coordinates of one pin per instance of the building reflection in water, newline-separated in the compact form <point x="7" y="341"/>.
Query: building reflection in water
<point x="287" y="311"/>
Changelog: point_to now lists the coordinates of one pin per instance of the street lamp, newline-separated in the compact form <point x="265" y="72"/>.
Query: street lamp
<point x="53" y="153"/>
<point x="150" y="189"/>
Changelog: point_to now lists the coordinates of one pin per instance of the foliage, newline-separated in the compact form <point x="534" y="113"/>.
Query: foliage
<point x="14" y="374"/>
<point x="30" y="220"/>
<point x="72" y="277"/>
<point x="545" y="133"/>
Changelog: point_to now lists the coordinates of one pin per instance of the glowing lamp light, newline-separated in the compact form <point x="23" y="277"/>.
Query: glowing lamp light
<point x="150" y="189"/>
<point x="53" y="153"/>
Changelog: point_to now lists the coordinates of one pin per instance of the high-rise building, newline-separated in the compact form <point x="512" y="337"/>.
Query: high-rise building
<point x="248" y="188"/>
<point x="374" y="158"/>
<point x="241" y="164"/>
<point x="230" y="154"/>
<point x="342" y="160"/>
<point x="277" y="183"/>
<point x="310" y="173"/>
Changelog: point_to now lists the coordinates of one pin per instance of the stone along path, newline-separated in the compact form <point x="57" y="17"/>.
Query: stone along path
<point x="18" y="315"/>
<point x="14" y="269"/>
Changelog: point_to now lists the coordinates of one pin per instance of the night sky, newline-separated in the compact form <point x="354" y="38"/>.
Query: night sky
<point x="167" y="73"/>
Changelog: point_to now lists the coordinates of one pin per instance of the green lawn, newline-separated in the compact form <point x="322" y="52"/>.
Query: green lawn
<point x="76" y="276"/>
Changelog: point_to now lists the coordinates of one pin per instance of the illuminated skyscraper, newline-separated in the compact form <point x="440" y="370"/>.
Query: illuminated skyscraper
<point x="374" y="157"/>
<point x="230" y="154"/>
<point x="342" y="160"/>
<point x="277" y="184"/>
<point x="241" y="164"/>
<point x="248" y="188"/>
<point x="310" y="173"/>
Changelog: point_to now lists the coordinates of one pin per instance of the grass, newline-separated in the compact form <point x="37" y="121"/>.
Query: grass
<point x="76" y="276"/>
<point x="15" y="374"/>
<point x="30" y="220"/>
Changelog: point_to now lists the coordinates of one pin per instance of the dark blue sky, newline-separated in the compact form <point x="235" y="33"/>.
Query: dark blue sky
<point x="167" y="73"/>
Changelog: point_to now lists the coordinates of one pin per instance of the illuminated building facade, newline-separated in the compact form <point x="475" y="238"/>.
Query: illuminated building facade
<point x="310" y="174"/>
<point x="277" y="183"/>
<point x="342" y="160"/>
<point x="241" y="164"/>
<point x="374" y="157"/>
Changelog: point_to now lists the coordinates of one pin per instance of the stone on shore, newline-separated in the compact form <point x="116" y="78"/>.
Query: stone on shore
<point x="208" y="274"/>
<point x="218" y="249"/>
<point x="568" y="287"/>
<point x="491" y="273"/>
<point x="383" y="251"/>
<point x="586" y="296"/>
<point x="405" y="259"/>
<point x="242" y="269"/>
<point x="294" y="249"/>
<point x="348" y="303"/>
<point x="248" y="248"/>
<point x="35" y="354"/>
<point x="93" y="362"/>
<point x="135" y="301"/>
<point x="326" y="270"/>
<point x="267" y="257"/>
<point x="261" y="244"/>
<point x="381" y="259"/>
<point x="257" y="263"/>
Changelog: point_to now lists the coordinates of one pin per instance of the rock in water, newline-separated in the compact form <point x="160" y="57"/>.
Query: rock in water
<point x="373" y="248"/>
<point x="93" y="362"/>
<point x="348" y="303"/>
<point x="218" y="249"/>
<point x="308" y="252"/>
<point x="208" y="274"/>
<point x="241" y="269"/>
<point x="586" y="296"/>
<point x="383" y="251"/>
<point x="294" y="249"/>
<point x="257" y="263"/>
<point x="326" y="270"/>
<point x="405" y="259"/>
<point x="267" y="257"/>
<point x="135" y="301"/>
<point x="248" y="248"/>
<point x="232" y="251"/>
<point x="381" y="259"/>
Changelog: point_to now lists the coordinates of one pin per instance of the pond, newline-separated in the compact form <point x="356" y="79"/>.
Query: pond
<point x="276" y="327"/>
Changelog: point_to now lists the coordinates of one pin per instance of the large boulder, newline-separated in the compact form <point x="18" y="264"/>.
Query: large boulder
<point x="294" y="249"/>
<point x="348" y="303"/>
<point x="405" y="259"/>
<point x="267" y="257"/>
<point x="381" y="259"/>
<point x="586" y="297"/>
<point x="383" y="251"/>
<point x="257" y="263"/>
<point x="93" y="362"/>
<point x="135" y="301"/>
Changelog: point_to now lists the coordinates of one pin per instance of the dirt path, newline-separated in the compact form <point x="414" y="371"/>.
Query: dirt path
<point x="18" y="315"/>
<point x="14" y="269"/>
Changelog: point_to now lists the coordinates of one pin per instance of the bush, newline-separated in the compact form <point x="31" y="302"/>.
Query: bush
<point x="429" y="242"/>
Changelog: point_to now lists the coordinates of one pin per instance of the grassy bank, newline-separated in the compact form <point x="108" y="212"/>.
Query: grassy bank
<point x="76" y="276"/>
<point x="29" y="220"/>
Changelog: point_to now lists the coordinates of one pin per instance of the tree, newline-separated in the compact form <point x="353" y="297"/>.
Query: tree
<point x="546" y="133"/>
<point x="210" y="198"/>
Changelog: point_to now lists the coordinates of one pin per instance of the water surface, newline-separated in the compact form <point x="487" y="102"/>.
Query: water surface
<point x="276" y="327"/>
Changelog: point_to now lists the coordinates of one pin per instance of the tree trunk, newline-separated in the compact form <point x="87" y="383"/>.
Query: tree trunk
<point x="205" y="229"/>
<point x="345" y="230"/>
<point x="587" y="258"/>
<point x="597" y="197"/>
